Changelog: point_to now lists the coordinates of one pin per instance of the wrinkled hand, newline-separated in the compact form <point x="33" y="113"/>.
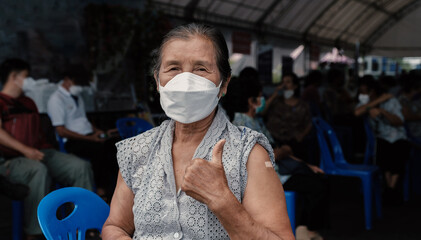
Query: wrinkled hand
<point x="375" y="112"/>
<point x="34" y="154"/>
<point x="315" y="169"/>
<point x="205" y="181"/>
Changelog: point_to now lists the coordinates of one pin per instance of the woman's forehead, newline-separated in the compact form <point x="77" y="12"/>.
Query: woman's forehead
<point x="192" y="49"/>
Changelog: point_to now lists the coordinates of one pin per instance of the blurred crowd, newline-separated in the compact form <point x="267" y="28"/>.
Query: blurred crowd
<point x="390" y="107"/>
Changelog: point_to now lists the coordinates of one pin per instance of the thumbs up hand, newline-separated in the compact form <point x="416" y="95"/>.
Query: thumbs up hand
<point x="205" y="181"/>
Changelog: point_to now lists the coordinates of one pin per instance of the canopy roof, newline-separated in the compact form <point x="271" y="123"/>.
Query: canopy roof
<point x="386" y="27"/>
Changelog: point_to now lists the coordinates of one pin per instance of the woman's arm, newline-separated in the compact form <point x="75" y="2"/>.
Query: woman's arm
<point x="120" y="225"/>
<point x="9" y="141"/>
<point x="261" y="215"/>
<point x="392" y="118"/>
<point x="366" y="107"/>
<point x="66" y="133"/>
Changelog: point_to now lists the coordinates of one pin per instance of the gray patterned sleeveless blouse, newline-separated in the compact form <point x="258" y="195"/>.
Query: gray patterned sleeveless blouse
<point x="162" y="212"/>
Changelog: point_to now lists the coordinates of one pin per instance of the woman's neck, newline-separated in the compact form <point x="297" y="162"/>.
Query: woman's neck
<point x="193" y="132"/>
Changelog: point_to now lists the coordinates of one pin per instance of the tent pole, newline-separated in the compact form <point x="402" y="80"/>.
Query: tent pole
<point x="356" y="56"/>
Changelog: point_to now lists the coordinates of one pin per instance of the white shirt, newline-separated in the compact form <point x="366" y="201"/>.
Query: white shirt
<point x="64" y="111"/>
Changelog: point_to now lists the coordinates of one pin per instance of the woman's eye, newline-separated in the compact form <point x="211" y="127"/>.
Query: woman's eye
<point x="173" y="69"/>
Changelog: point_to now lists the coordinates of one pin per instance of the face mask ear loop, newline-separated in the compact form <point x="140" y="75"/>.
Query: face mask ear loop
<point x="219" y="87"/>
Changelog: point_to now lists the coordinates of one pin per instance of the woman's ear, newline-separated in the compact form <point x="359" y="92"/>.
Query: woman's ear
<point x="224" y="87"/>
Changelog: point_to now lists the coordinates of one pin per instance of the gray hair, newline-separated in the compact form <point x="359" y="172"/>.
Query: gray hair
<point x="193" y="29"/>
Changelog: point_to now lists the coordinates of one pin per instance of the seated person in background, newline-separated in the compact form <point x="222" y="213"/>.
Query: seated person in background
<point x="289" y="117"/>
<point x="411" y="103"/>
<point x="67" y="112"/>
<point x="387" y="121"/>
<point x="339" y="104"/>
<point x="244" y="97"/>
<point x="311" y="92"/>
<point x="27" y="158"/>
<point x="245" y="101"/>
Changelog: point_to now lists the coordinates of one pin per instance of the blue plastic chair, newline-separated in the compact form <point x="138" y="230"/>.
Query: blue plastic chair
<point x="17" y="220"/>
<point x="130" y="127"/>
<point x="370" y="143"/>
<point x="337" y="165"/>
<point x="90" y="212"/>
<point x="61" y="144"/>
<point x="290" y="200"/>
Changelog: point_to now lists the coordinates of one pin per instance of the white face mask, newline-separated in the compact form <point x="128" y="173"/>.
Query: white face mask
<point x="75" y="90"/>
<point x="288" y="94"/>
<point x="188" y="98"/>
<point x="364" y="98"/>
<point x="28" y="84"/>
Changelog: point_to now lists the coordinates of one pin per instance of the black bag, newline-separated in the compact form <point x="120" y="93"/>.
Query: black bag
<point x="289" y="166"/>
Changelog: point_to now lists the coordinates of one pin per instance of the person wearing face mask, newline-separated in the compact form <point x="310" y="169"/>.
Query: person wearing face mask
<point x="196" y="176"/>
<point x="244" y="98"/>
<point x="392" y="147"/>
<point x="67" y="113"/>
<point x="244" y="102"/>
<point x="288" y="117"/>
<point x="25" y="156"/>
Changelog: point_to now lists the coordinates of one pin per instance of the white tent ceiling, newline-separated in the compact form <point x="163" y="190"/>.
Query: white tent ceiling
<point x="385" y="27"/>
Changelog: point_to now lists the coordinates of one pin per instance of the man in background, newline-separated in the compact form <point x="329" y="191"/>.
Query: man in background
<point x="67" y="112"/>
<point x="26" y="156"/>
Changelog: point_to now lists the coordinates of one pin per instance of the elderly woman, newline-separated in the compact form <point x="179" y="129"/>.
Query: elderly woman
<point x="196" y="176"/>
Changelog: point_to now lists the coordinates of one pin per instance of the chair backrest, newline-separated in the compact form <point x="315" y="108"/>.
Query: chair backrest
<point x="61" y="143"/>
<point x="90" y="212"/>
<point x="290" y="201"/>
<point x="370" y="143"/>
<point x="130" y="127"/>
<point x="328" y="143"/>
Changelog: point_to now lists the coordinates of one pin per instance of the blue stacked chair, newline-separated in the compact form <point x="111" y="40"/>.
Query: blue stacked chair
<point x="370" y="143"/>
<point x="290" y="201"/>
<point x="90" y="212"/>
<point x="17" y="217"/>
<point x="130" y="127"/>
<point x="337" y="165"/>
